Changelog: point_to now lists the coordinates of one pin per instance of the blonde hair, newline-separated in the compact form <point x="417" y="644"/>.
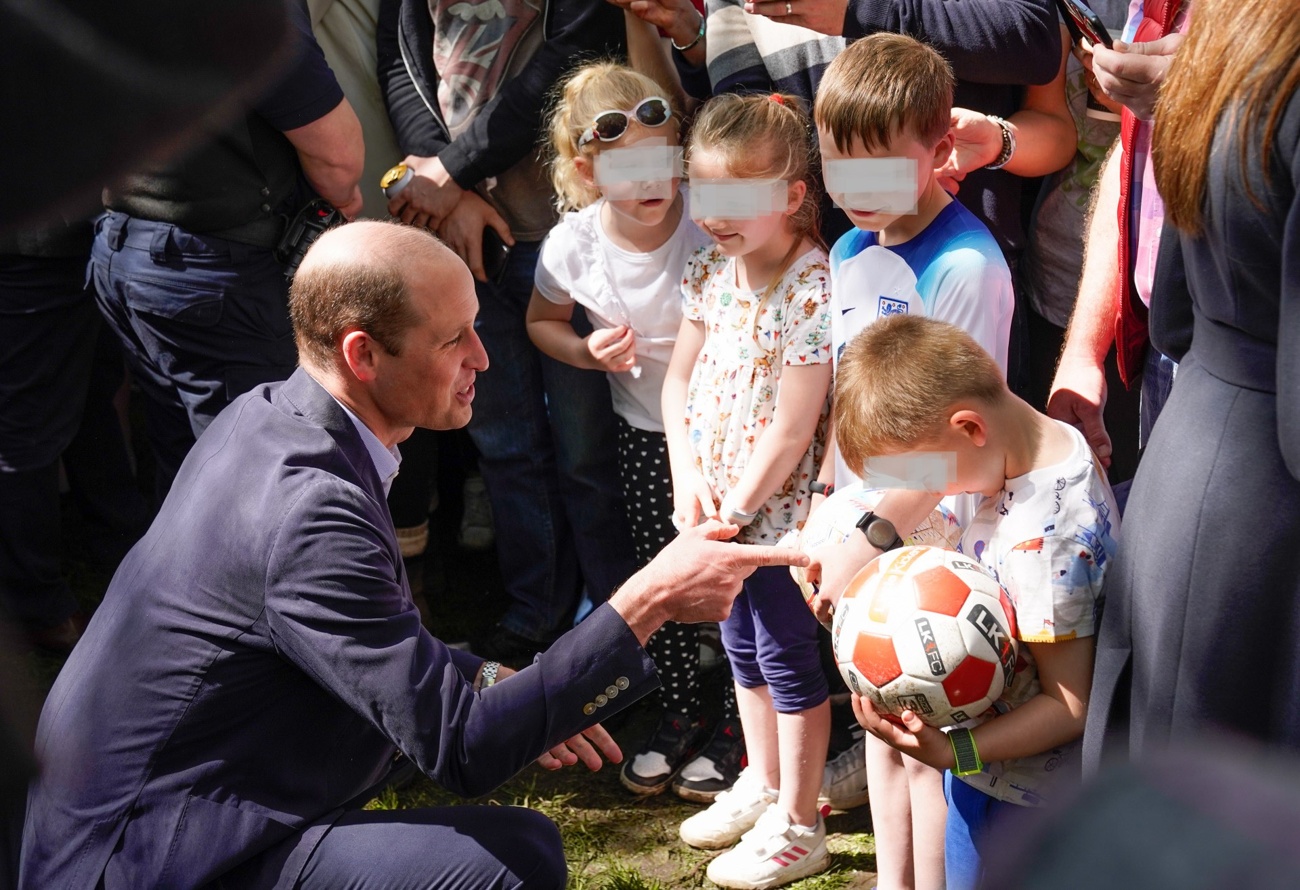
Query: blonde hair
<point x="896" y="383"/>
<point x="882" y="85"/>
<point x="763" y="137"/>
<point x="1239" y="65"/>
<point x="593" y="88"/>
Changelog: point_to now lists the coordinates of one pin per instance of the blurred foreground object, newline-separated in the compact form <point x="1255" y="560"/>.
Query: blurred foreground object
<point x="96" y="89"/>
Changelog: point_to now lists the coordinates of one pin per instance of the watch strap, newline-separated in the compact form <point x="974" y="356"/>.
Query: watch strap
<point x="489" y="675"/>
<point x="966" y="757"/>
<point x="868" y="519"/>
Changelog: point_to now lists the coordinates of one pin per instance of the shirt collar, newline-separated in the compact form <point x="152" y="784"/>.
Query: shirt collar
<point x="387" y="461"/>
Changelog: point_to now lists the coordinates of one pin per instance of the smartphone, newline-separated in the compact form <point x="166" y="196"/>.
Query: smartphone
<point x="495" y="254"/>
<point x="1083" y="22"/>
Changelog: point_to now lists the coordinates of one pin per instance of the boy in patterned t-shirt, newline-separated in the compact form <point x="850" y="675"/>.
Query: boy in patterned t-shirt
<point x="1046" y="529"/>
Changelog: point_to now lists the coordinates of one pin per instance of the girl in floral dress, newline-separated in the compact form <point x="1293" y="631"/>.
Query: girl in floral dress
<point x="745" y="410"/>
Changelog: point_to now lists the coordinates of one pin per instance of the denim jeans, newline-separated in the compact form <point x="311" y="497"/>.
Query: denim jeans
<point x="548" y="449"/>
<point x="201" y="320"/>
<point x="1157" y="382"/>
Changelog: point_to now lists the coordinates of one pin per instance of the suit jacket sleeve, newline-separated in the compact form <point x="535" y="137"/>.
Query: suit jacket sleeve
<point x="336" y="609"/>
<point x="985" y="41"/>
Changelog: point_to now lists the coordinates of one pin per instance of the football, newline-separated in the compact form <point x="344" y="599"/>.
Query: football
<point x="838" y="517"/>
<point x="926" y="630"/>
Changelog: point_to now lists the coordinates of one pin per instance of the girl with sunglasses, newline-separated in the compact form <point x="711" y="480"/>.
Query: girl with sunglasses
<point x="746" y="408"/>
<point x="619" y="252"/>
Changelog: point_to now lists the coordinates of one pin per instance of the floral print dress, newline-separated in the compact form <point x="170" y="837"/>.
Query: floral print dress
<point x="736" y="382"/>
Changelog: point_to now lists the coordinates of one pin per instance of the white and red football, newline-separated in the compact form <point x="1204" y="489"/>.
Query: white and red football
<point x="926" y="630"/>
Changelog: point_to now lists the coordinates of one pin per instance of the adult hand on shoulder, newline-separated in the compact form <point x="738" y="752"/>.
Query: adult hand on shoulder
<point x="908" y="735"/>
<point x="1132" y="73"/>
<point x="823" y="16"/>
<point x="977" y="142"/>
<point x="428" y="197"/>
<point x="695" y="578"/>
<point x="462" y="230"/>
<point x="1078" y="397"/>
<point x="614" y="349"/>
<point x="593" y="746"/>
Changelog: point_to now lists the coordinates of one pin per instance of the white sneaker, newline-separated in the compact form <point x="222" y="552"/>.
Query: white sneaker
<point x="732" y="813"/>
<point x="844" y="783"/>
<point x="772" y="853"/>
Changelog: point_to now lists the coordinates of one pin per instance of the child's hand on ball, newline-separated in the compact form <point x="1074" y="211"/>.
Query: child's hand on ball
<point x="905" y="733"/>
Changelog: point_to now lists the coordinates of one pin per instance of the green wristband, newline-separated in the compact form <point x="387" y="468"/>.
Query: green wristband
<point x="965" y="755"/>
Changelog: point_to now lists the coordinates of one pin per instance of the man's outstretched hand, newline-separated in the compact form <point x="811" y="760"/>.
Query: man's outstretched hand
<point x="695" y="578"/>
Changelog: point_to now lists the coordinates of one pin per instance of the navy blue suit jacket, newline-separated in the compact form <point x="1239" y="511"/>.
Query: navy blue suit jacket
<point x="257" y="660"/>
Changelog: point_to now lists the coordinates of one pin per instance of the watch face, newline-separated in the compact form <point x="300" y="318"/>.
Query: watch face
<point x="881" y="534"/>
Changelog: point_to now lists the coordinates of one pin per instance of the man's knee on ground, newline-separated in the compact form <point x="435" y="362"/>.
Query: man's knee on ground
<point x="539" y="860"/>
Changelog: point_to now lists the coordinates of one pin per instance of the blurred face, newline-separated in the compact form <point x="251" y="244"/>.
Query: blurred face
<point x="641" y="202"/>
<point x="878" y="187"/>
<point x="430" y="383"/>
<point x="741" y="235"/>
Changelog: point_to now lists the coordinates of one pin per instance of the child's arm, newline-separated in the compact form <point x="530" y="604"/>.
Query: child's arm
<point x="1052" y="717"/>
<point x="550" y="327"/>
<point x="785" y="440"/>
<point x="693" y="497"/>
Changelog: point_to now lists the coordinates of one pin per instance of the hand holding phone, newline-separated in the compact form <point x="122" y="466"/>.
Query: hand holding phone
<point x="1083" y="23"/>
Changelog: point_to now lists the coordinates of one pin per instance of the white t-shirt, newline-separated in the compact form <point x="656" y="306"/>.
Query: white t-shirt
<point x="953" y="270"/>
<point x="580" y="264"/>
<point x="1049" y="537"/>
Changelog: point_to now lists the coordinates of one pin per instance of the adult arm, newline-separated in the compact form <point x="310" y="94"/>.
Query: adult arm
<point x="332" y="155"/>
<point x="336" y="610"/>
<point x="1043" y="128"/>
<point x="308" y="106"/>
<point x="985" y="41"/>
<point x="1078" y="393"/>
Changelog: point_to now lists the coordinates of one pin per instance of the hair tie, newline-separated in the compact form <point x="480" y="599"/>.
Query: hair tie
<point x="777" y="98"/>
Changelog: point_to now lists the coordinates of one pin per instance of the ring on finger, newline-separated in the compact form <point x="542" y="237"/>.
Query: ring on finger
<point x="789" y="7"/>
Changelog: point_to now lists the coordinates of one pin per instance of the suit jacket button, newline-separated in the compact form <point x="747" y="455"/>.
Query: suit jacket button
<point x="601" y="701"/>
<point x="621" y="683"/>
<point x="611" y="691"/>
<point x="588" y="709"/>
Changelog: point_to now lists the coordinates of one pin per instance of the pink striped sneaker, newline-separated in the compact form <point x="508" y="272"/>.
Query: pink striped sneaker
<point x="771" y="854"/>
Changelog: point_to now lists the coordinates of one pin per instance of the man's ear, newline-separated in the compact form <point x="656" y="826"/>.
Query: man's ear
<point x="359" y="355"/>
<point x="970" y="424"/>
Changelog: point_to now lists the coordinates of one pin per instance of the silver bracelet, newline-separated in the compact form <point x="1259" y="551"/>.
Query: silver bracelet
<point x="1008" y="143"/>
<point x="698" y="37"/>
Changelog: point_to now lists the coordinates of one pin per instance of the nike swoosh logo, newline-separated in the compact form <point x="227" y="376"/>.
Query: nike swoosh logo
<point x="848" y="310"/>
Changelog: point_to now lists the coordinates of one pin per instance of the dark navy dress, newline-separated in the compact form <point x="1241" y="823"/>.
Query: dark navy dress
<point x="1201" y="625"/>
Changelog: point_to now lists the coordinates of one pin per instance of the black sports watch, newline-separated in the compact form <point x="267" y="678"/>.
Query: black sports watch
<point x="880" y="532"/>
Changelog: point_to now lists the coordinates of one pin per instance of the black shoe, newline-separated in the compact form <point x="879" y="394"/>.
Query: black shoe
<point x="675" y="742"/>
<point x="507" y="647"/>
<point x="717" y="767"/>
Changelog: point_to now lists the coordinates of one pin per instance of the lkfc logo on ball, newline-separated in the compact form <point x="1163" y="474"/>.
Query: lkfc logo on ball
<point x="996" y="635"/>
<point x="930" y="646"/>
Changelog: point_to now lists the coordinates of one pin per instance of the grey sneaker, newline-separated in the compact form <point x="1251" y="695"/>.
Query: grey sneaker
<point x="476" y="530"/>
<point x="844" y="783"/>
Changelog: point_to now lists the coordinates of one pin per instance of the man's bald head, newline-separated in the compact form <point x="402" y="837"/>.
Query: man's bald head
<point x="356" y="277"/>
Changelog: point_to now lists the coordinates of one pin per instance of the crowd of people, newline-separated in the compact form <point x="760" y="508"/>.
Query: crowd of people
<point x="697" y="265"/>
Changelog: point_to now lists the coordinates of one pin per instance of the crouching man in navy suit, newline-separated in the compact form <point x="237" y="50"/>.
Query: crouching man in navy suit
<point x="257" y="660"/>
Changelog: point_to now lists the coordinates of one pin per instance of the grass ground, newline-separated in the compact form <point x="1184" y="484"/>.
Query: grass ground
<point x="613" y="840"/>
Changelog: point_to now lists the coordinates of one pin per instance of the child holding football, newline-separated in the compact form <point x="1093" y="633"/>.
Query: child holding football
<point x="1046" y="530"/>
<point x="882" y="114"/>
